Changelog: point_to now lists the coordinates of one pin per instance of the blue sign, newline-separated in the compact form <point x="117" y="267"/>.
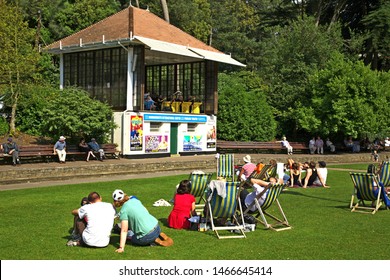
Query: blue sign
<point x="175" y="118"/>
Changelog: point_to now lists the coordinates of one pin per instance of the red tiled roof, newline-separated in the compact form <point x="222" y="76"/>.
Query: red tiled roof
<point x="131" y="22"/>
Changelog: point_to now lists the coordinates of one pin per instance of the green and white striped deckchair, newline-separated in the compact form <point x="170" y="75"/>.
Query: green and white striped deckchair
<point x="199" y="184"/>
<point x="225" y="208"/>
<point x="384" y="174"/>
<point x="366" y="188"/>
<point x="273" y="192"/>
<point x="262" y="175"/>
<point x="225" y="167"/>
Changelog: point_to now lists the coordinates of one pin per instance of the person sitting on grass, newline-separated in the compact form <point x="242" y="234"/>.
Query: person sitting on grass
<point x="296" y="175"/>
<point x="183" y="208"/>
<point x="313" y="178"/>
<point x="135" y="217"/>
<point x="94" y="223"/>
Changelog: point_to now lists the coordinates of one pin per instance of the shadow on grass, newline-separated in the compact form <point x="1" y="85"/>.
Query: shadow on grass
<point x="290" y="192"/>
<point x="164" y="221"/>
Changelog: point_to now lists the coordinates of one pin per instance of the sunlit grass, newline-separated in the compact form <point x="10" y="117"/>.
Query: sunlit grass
<point x="36" y="223"/>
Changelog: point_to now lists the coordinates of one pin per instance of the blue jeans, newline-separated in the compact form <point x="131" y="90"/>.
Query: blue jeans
<point x="148" y="238"/>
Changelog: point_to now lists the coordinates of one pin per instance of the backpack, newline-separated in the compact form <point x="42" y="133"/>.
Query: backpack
<point x="372" y="168"/>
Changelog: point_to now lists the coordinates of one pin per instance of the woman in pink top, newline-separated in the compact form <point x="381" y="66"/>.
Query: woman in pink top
<point x="247" y="169"/>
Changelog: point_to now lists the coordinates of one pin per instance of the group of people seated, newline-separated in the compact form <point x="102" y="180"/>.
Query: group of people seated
<point x="295" y="174"/>
<point x="317" y="145"/>
<point x="153" y="102"/>
<point x="94" y="222"/>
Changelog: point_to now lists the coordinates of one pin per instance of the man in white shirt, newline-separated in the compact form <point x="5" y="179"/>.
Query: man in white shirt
<point x="99" y="220"/>
<point x="258" y="187"/>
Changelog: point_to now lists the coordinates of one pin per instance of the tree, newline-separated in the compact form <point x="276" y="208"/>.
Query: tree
<point x="348" y="98"/>
<point x="197" y="23"/>
<point x="18" y="58"/>
<point x="165" y="9"/>
<point x="74" y="114"/>
<point x="243" y="112"/>
<point x="377" y="26"/>
<point x="287" y="62"/>
<point x="79" y="14"/>
<point x="234" y="25"/>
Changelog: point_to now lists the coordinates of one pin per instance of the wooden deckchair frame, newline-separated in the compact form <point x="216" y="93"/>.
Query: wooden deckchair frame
<point x="225" y="208"/>
<point x="279" y="224"/>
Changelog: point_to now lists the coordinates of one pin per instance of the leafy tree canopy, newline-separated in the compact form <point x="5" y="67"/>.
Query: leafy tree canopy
<point x="243" y="113"/>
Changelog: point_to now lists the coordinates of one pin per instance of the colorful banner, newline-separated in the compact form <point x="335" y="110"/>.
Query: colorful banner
<point x="156" y="143"/>
<point x="192" y="143"/>
<point x="136" y="132"/>
<point x="211" y="136"/>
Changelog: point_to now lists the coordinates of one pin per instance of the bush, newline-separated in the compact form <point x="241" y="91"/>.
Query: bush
<point x="74" y="114"/>
<point x="243" y="111"/>
<point x="4" y="126"/>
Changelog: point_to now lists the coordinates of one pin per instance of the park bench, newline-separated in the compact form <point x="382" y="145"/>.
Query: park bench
<point x="259" y="147"/>
<point x="45" y="152"/>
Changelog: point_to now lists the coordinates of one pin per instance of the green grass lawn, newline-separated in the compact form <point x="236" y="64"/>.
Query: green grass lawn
<point x="36" y="224"/>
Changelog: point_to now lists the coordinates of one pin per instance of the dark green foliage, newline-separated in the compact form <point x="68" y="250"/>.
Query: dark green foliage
<point x="348" y="97"/>
<point x="243" y="111"/>
<point x="30" y="114"/>
<point x="74" y="114"/>
<point x="4" y="127"/>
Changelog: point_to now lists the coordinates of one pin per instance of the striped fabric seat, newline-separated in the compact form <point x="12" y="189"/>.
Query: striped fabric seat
<point x="225" y="166"/>
<point x="273" y="192"/>
<point x="384" y="175"/>
<point x="366" y="188"/>
<point x="262" y="175"/>
<point x="199" y="184"/>
<point x="226" y="208"/>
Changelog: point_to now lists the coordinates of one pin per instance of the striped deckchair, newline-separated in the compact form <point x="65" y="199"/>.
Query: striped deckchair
<point x="199" y="184"/>
<point x="223" y="204"/>
<point x="384" y="174"/>
<point x="273" y="192"/>
<point x="262" y="175"/>
<point x="366" y="188"/>
<point x="225" y="167"/>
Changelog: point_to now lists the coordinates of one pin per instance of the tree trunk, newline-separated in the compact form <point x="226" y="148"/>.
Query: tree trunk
<point x="164" y="7"/>
<point x="319" y="13"/>
<point x="339" y="7"/>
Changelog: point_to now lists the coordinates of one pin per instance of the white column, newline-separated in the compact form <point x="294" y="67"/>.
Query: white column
<point x="130" y="80"/>
<point x="61" y="71"/>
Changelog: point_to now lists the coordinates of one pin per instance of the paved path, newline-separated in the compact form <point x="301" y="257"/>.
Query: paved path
<point x="183" y="160"/>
